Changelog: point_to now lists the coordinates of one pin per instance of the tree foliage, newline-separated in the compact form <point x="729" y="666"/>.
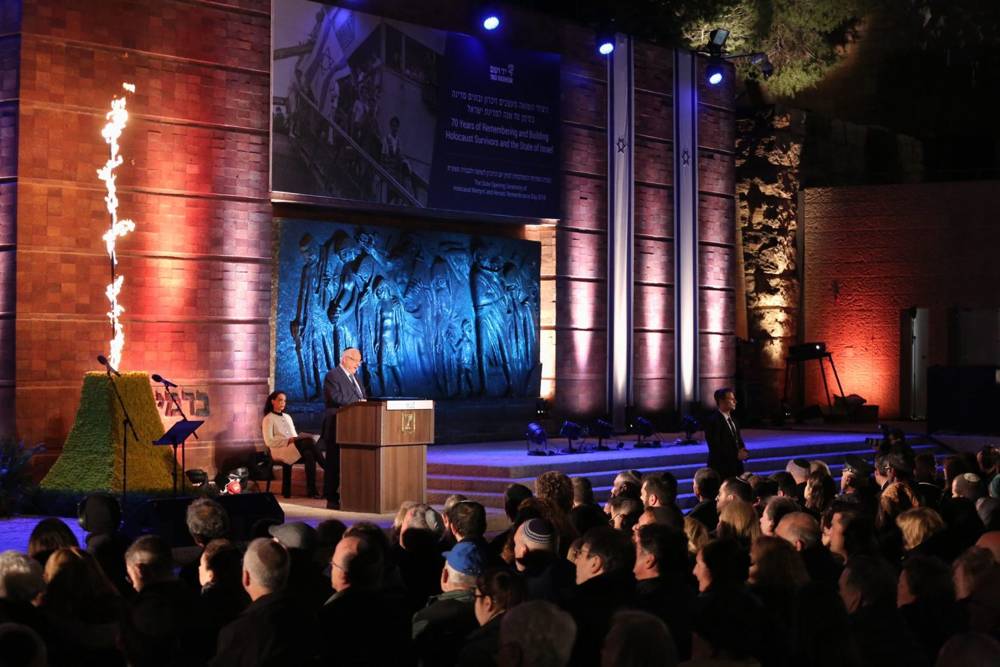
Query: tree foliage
<point x="804" y="39"/>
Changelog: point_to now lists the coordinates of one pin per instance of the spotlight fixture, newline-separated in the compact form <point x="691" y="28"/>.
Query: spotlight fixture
<point x="645" y="429"/>
<point x="571" y="431"/>
<point x="715" y="49"/>
<point x="715" y="72"/>
<point x="763" y="64"/>
<point x="489" y="17"/>
<point x="689" y="425"/>
<point x="605" y="41"/>
<point x="602" y="429"/>
<point x="717" y="41"/>
<point x="196" y="477"/>
<point x="536" y="440"/>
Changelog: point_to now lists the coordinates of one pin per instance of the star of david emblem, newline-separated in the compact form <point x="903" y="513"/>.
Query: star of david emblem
<point x="621" y="144"/>
<point x="685" y="158"/>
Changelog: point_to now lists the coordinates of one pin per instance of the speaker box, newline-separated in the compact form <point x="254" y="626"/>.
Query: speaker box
<point x="167" y="517"/>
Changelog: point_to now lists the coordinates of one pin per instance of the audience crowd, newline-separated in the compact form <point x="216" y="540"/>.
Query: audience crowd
<point x="893" y="565"/>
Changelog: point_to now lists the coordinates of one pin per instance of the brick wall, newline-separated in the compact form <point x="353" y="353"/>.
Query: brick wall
<point x="716" y="235"/>
<point x="581" y="237"/>
<point x="195" y="180"/>
<point x="871" y="252"/>
<point x="653" y="359"/>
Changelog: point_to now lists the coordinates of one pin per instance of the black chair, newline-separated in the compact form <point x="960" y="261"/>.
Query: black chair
<point x="262" y="470"/>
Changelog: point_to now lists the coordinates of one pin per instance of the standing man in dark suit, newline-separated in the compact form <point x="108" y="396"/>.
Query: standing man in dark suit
<point x="726" y="449"/>
<point x="340" y="387"/>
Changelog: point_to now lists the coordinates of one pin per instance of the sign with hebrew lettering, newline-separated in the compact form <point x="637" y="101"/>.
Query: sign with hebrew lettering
<point x="380" y="111"/>
<point x="434" y="315"/>
<point x="193" y="400"/>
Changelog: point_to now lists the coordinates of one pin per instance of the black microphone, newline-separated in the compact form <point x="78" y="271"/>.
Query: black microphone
<point x="159" y="378"/>
<point x="101" y="359"/>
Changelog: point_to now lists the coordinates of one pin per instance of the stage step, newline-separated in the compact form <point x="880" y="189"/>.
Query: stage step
<point x="483" y="472"/>
<point x="453" y="483"/>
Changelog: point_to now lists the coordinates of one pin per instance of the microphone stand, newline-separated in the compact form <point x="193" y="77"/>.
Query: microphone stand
<point x="126" y="424"/>
<point x="177" y="405"/>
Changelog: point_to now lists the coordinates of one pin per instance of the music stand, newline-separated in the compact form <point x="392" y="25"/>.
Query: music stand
<point x="177" y="435"/>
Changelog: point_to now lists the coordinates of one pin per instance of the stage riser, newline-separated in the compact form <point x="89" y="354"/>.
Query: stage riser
<point x="486" y="484"/>
<point x="626" y="459"/>
<point x="489" y="490"/>
<point x="684" y="474"/>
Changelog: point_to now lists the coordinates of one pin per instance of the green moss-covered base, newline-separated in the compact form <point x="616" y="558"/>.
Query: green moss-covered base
<point x="91" y="459"/>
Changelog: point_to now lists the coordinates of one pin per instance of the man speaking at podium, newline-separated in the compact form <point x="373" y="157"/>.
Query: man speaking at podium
<point x="340" y="387"/>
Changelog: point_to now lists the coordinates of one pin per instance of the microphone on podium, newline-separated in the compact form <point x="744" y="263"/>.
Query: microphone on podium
<point x="101" y="359"/>
<point x="162" y="380"/>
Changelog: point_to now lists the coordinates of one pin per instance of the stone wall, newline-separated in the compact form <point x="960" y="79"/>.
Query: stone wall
<point x="780" y="152"/>
<point x="768" y="153"/>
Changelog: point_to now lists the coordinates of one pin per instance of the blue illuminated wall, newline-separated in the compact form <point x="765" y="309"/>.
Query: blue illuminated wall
<point x="434" y="315"/>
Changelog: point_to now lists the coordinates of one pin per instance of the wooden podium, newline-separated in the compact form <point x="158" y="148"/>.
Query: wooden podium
<point x="383" y="453"/>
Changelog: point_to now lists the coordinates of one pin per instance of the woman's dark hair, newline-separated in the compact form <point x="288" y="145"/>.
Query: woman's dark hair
<point x="77" y="586"/>
<point x="500" y="584"/>
<point x="821" y="490"/>
<point x="513" y="496"/>
<point x="268" y="408"/>
<point x="727" y="561"/>
<point x="48" y="535"/>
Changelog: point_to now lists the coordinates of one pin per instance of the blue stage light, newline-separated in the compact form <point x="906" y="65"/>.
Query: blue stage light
<point x="606" y="47"/>
<point x="536" y="434"/>
<point x="491" y="22"/>
<point x="537" y="440"/>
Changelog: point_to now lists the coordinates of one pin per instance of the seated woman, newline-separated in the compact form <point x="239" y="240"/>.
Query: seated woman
<point x="288" y="447"/>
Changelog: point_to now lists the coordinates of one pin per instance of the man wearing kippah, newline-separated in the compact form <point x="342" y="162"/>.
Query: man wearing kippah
<point x="440" y="628"/>
<point x="546" y="576"/>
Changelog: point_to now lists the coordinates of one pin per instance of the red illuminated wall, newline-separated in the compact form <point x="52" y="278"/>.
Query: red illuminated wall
<point x="198" y="268"/>
<point x="195" y="179"/>
<point x="871" y="252"/>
